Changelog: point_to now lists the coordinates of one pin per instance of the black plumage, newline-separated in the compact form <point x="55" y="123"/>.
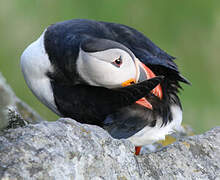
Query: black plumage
<point x="75" y="98"/>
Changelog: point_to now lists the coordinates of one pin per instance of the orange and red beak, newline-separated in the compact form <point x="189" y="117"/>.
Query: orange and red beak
<point x="157" y="91"/>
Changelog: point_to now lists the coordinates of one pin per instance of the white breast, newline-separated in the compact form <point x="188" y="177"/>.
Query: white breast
<point x="35" y="64"/>
<point x="149" y="135"/>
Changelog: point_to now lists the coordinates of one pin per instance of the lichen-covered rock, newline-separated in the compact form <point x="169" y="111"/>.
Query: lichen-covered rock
<point x="9" y="102"/>
<point x="66" y="149"/>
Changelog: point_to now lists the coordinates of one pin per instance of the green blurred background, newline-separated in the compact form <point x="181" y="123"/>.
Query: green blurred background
<point x="188" y="30"/>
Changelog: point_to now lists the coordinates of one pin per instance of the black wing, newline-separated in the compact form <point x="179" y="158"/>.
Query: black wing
<point x="91" y="104"/>
<point x="146" y="51"/>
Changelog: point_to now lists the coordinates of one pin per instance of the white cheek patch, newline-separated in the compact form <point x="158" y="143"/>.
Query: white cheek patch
<point x="97" y="68"/>
<point x="35" y="64"/>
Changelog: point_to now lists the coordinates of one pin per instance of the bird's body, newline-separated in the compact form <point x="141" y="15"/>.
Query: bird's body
<point x="97" y="72"/>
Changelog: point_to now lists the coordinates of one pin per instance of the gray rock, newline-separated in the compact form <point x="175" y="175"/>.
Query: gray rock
<point x="195" y="157"/>
<point x="10" y="103"/>
<point x="66" y="149"/>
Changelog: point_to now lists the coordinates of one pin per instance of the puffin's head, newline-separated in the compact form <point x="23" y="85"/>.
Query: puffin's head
<point x="106" y="63"/>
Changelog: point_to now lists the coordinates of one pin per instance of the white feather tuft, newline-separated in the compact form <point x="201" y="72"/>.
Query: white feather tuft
<point x="149" y="135"/>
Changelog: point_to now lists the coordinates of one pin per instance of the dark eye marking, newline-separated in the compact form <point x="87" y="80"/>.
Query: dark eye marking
<point x="117" y="62"/>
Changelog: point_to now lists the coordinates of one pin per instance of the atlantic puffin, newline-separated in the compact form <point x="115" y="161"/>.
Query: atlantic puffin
<point x="106" y="74"/>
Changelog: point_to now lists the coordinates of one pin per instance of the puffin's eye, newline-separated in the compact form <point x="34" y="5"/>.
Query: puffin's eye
<point x="117" y="62"/>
